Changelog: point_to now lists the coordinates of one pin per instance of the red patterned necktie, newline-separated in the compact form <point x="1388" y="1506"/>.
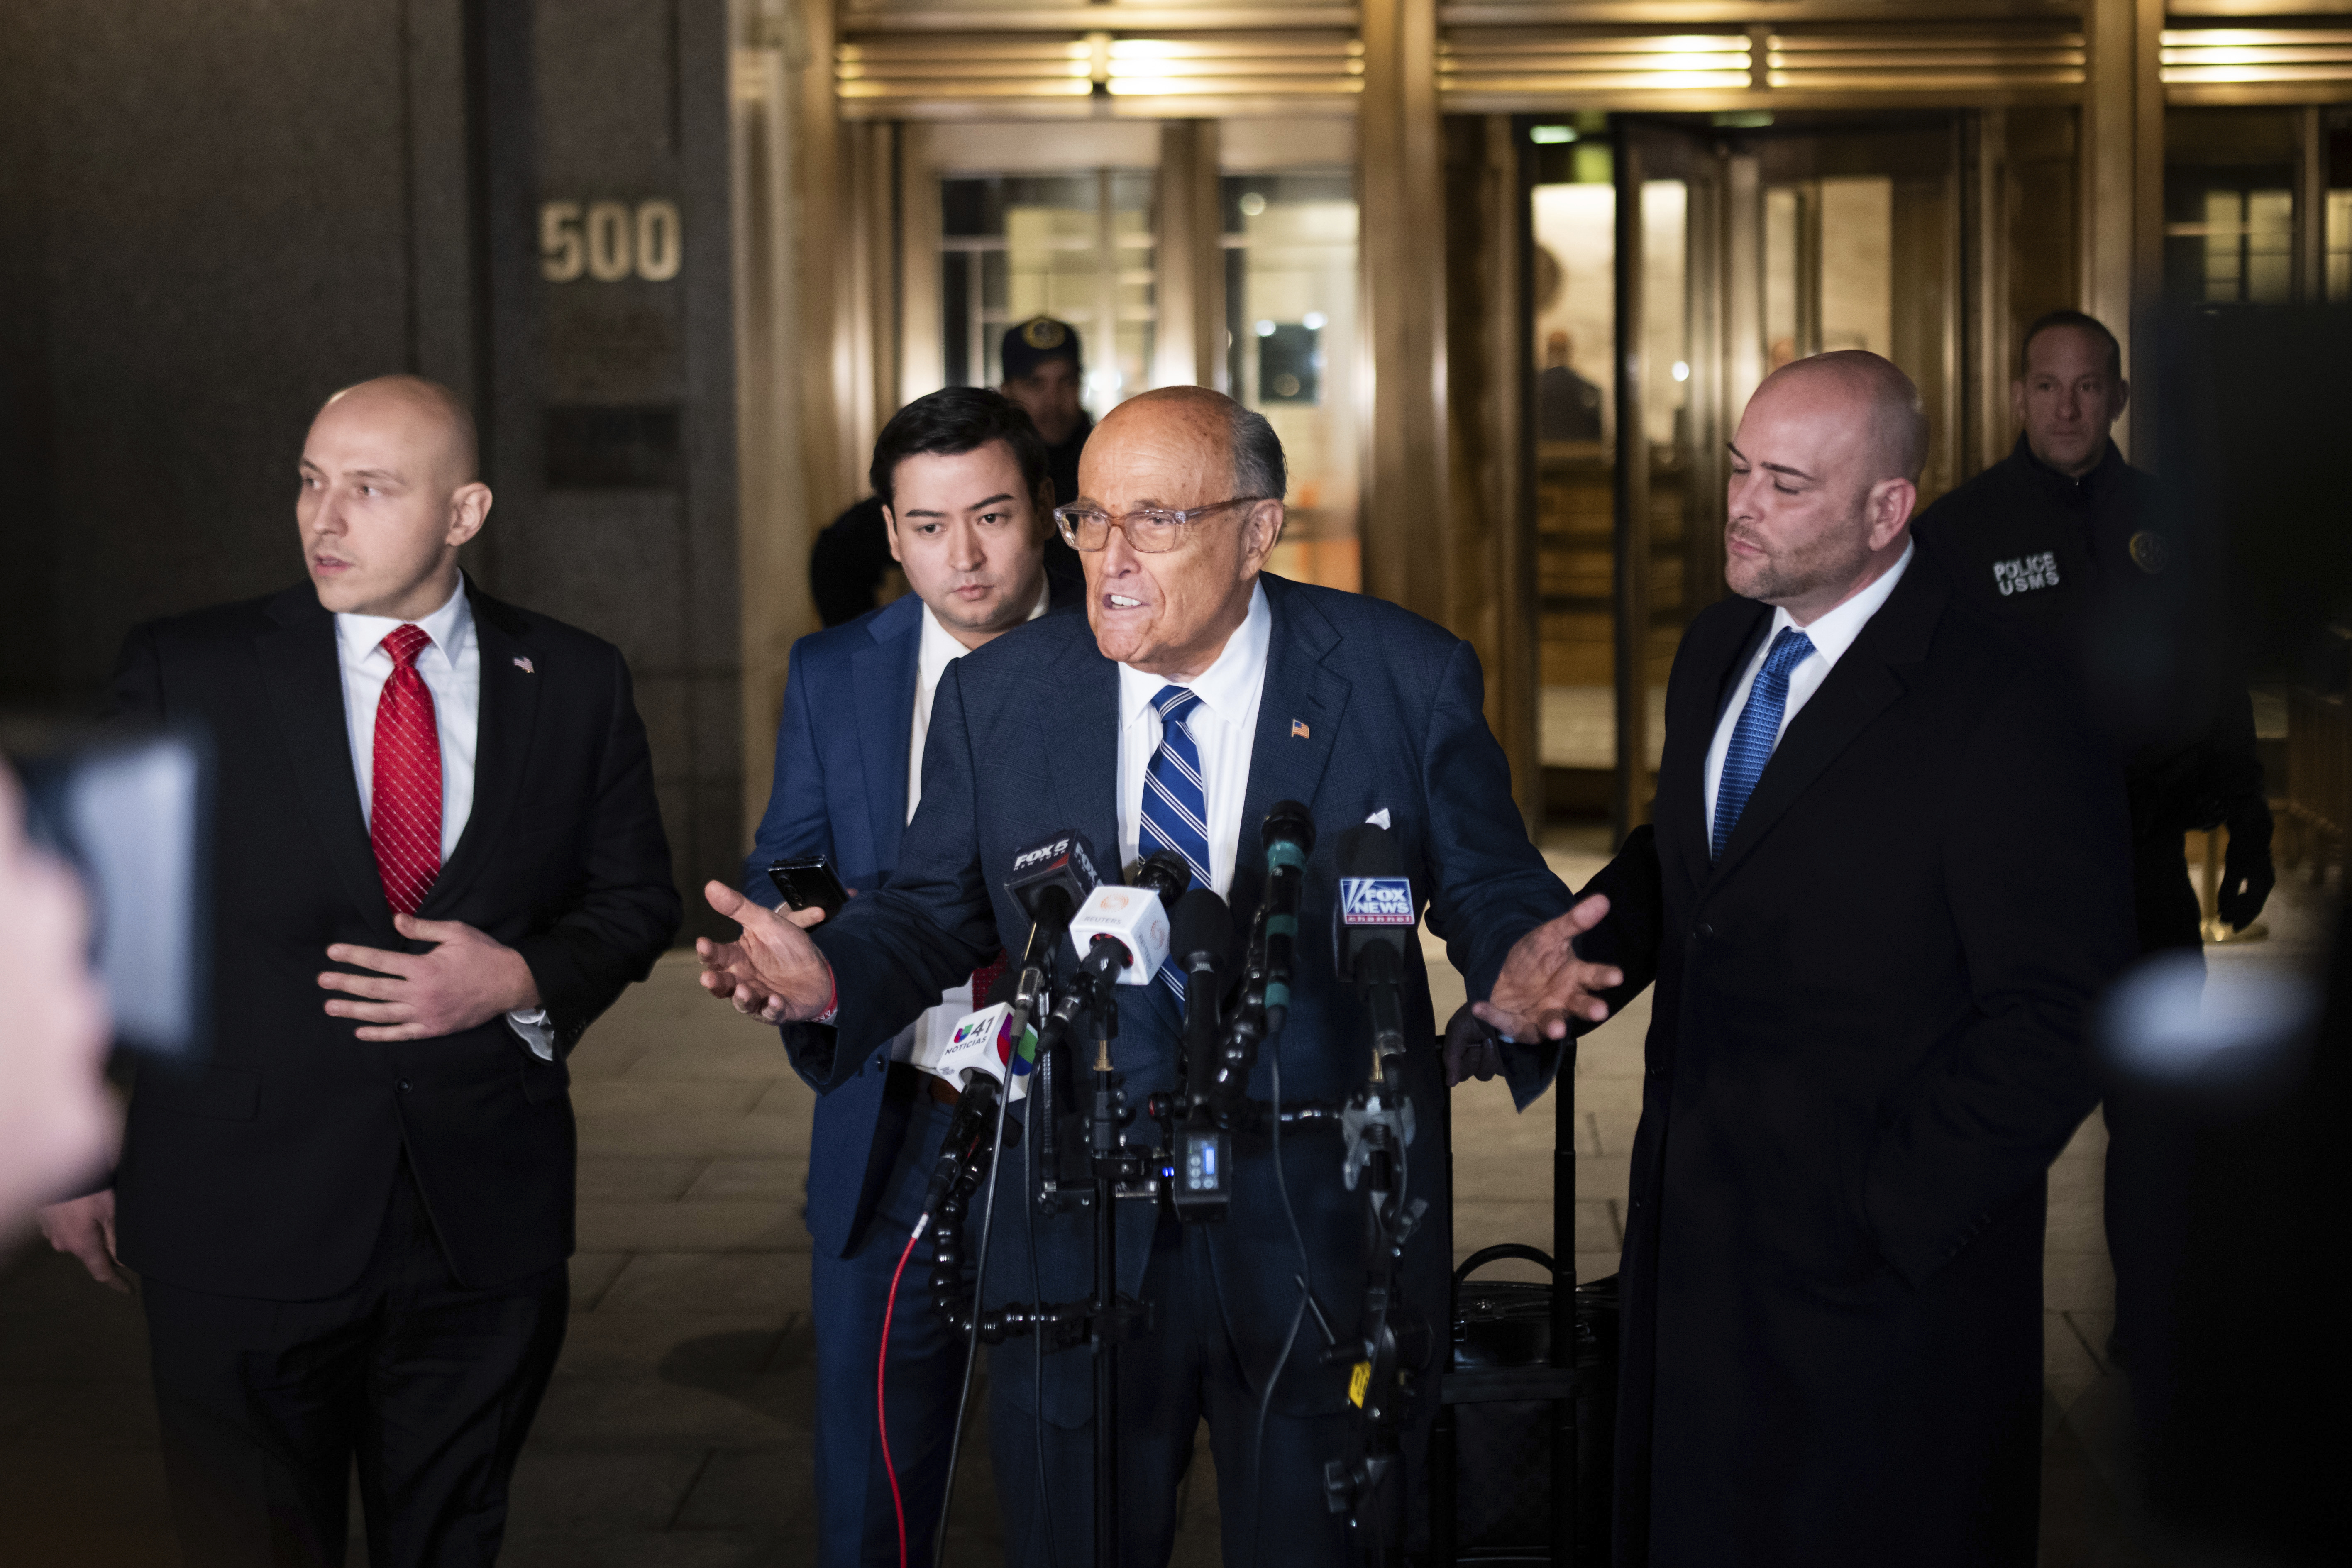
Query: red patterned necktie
<point x="405" y="824"/>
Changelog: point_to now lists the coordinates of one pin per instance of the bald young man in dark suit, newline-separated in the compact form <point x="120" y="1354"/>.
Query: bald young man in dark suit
<point x="1889" y="875"/>
<point x="438" y="858"/>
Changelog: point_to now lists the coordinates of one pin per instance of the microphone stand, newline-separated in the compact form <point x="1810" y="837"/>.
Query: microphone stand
<point x="1025" y="1004"/>
<point x="1107" y="1323"/>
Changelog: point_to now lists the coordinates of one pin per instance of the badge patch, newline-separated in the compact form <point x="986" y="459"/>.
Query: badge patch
<point x="2029" y="572"/>
<point x="1043" y="332"/>
<point x="2149" y="552"/>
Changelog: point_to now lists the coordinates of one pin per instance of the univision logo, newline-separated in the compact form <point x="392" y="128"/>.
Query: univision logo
<point x="1375" y="902"/>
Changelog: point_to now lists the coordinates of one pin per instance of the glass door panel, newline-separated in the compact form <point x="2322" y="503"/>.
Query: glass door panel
<point x="1290" y="350"/>
<point x="1747" y="247"/>
<point x="1573" y="220"/>
<point x="1078" y="246"/>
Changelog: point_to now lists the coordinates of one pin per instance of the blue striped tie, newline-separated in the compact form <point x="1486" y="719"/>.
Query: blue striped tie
<point x="1176" y="801"/>
<point x="1757" y="731"/>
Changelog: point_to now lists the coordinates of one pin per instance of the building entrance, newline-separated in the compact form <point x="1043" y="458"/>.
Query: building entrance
<point x="1674" y="263"/>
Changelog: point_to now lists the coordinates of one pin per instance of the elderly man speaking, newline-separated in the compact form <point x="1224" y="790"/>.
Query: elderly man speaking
<point x="1194" y="662"/>
<point x="1887" y="876"/>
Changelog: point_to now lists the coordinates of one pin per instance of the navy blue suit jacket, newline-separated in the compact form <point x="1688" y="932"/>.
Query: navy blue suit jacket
<point x="840" y="790"/>
<point x="1366" y="708"/>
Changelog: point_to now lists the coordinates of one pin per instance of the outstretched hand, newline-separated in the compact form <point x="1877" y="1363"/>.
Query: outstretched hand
<point x="1544" y="985"/>
<point x="771" y="971"/>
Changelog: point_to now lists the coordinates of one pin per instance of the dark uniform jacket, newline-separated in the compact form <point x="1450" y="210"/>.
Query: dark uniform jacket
<point x="1865" y="1048"/>
<point x="268" y="1175"/>
<point x="2102" y="580"/>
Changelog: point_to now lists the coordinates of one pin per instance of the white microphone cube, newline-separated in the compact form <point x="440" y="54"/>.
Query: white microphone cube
<point x="980" y="1045"/>
<point x="1137" y="918"/>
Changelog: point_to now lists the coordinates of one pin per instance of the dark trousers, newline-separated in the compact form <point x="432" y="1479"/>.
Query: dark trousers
<point x="856" y="1520"/>
<point x="429" y="1386"/>
<point x="1173" y="1375"/>
<point x="2145" y="1202"/>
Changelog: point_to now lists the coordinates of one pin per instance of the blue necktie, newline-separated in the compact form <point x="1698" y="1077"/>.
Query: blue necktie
<point x="1175" y="800"/>
<point x="1757" y="731"/>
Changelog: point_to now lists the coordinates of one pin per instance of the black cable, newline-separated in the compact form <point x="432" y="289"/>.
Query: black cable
<point x="1037" y="1338"/>
<point x="978" y="1289"/>
<point x="1298" y="1316"/>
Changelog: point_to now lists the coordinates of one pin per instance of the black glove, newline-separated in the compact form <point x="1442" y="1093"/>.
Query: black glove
<point x="2246" y="874"/>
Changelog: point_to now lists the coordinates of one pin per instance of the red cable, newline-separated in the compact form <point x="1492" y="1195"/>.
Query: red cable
<point x="881" y="1412"/>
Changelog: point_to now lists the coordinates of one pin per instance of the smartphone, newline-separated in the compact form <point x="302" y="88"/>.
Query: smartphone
<point x="131" y="812"/>
<point x="809" y="882"/>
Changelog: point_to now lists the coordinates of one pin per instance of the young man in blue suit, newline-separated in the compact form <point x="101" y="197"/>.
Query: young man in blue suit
<point x="1194" y="665"/>
<point x="962" y="479"/>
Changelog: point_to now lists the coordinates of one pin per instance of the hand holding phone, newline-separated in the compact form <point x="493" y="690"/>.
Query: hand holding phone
<point x="809" y="883"/>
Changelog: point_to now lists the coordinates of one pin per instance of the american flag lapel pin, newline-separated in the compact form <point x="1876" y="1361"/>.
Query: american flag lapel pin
<point x="1299" y="729"/>
<point x="524" y="665"/>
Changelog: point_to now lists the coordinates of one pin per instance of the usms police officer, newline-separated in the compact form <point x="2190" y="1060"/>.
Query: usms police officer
<point x="2066" y="540"/>
<point x="2079" y="550"/>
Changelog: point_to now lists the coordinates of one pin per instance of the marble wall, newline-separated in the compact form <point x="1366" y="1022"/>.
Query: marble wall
<point x="216" y="216"/>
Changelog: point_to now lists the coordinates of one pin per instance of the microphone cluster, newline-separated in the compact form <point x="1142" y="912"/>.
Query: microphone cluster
<point x="1124" y="934"/>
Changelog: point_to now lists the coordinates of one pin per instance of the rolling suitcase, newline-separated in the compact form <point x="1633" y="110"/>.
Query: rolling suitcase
<point x="1520" y="1448"/>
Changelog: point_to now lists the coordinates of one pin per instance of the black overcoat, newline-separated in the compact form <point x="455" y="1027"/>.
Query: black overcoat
<point x="1867" y="1048"/>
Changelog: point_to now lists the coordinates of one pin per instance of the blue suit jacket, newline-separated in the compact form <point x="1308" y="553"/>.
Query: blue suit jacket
<point x="841" y="790"/>
<point x="1365" y="708"/>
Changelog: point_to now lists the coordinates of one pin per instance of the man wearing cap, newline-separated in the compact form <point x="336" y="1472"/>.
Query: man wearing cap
<point x="1043" y="375"/>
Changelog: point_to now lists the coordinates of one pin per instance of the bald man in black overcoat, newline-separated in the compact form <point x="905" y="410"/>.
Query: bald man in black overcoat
<point x="1888" y="877"/>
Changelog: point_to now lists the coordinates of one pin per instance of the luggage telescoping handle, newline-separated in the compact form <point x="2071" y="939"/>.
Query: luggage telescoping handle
<point x="1498" y="1253"/>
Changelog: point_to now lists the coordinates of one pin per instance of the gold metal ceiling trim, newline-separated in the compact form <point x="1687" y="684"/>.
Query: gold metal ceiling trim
<point x="1532" y="69"/>
<point x="886" y="20"/>
<point x="2214" y="64"/>
<point x="934" y="76"/>
<point x="1481" y="14"/>
<point x="1540" y="62"/>
<point x="1923" y="62"/>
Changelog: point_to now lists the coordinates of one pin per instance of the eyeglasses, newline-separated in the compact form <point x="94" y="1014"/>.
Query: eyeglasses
<point x="1152" y="532"/>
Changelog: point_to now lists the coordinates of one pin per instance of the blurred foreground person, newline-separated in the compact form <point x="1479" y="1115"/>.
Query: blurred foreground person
<point x="438" y="858"/>
<point x="55" y="1119"/>
<point x="961" y="478"/>
<point x="1867" y="1039"/>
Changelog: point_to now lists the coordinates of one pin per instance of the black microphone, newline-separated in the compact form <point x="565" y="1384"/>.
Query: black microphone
<point x="1167" y="873"/>
<point x="1201" y="937"/>
<point x="1050" y="880"/>
<point x="1202" y="1167"/>
<point x="1375" y="911"/>
<point x="971" y="1132"/>
<point x="1288" y="836"/>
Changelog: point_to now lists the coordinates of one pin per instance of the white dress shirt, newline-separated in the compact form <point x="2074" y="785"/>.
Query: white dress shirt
<point x="451" y="665"/>
<point x="1223" y="725"/>
<point x="926" y="1039"/>
<point x="1831" y="634"/>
